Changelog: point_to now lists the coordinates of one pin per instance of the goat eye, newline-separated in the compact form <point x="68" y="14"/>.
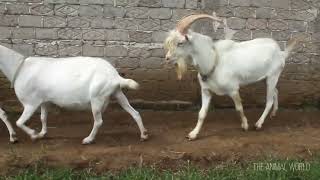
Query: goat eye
<point x="180" y="44"/>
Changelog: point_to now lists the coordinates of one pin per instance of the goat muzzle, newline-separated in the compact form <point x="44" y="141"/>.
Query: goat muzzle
<point x="168" y="56"/>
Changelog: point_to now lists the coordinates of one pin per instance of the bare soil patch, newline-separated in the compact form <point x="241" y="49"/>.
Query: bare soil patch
<point x="292" y="133"/>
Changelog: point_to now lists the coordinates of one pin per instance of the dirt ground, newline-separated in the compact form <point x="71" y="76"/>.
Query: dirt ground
<point x="292" y="133"/>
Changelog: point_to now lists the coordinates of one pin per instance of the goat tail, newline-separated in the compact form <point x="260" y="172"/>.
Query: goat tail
<point x="291" y="43"/>
<point x="128" y="83"/>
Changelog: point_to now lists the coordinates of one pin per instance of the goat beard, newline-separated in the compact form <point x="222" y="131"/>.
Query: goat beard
<point x="181" y="68"/>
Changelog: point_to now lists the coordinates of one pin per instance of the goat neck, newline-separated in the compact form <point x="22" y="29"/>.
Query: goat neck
<point x="9" y="61"/>
<point x="204" y="55"/>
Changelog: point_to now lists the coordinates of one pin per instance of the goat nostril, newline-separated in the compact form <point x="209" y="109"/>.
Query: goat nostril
<point x="167" y="58"/>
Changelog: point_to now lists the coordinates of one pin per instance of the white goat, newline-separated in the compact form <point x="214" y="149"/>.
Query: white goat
<point x="225" y="65"/>
<point x="75" y="83"/>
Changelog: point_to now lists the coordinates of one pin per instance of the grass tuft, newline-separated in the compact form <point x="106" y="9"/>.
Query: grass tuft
<point x="262" y="170"/>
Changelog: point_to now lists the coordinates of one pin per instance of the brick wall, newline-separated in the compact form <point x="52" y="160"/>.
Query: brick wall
<point x="129" y="33"/>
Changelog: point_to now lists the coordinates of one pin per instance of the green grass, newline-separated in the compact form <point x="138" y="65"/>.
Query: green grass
<point x="271" y="170"/>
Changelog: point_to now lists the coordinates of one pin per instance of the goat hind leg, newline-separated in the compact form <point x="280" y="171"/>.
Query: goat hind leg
<point x="271" y="86"/>
<point x="275" y="103"/>
<point x="43" y="118"/>
<point x="124" y="103"/>
<point x="97" y="106"/>
<point x="12" y="133"/>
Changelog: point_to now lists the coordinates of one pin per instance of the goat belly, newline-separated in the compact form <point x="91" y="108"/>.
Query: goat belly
<point x="76" y="105"/>
<point x="245" y="80"/>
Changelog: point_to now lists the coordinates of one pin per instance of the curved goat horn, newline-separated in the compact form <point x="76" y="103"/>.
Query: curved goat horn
<point x="184" y="24"/>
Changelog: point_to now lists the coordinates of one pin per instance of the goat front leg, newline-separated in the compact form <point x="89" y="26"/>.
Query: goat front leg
<point x="27" y="113"/>
<point x="206" y="97"/>
<point x="124" y="103"/>
<point x="12" y="133"/>
<point x="237" y="102"/>
<point x="97" y="106"/>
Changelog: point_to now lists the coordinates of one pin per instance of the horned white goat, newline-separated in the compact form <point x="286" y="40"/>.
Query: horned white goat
<point x="76" y="83"/>
<point x="225" y="65"/>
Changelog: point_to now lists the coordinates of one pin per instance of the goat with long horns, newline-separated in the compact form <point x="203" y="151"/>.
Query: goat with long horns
<point x="225" y="65"/>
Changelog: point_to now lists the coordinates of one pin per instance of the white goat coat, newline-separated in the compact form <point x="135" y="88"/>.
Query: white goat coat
<point x="242" y="63"/>
<point x="66" y="82"/>
<point x="225" y="65"/>
<point x="75" y="83"/>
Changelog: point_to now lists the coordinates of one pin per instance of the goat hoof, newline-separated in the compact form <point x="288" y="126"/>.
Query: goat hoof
<point x="13" y="140"/>
<point x="34" y="137"/>
<point x="42" y="135"/>
<point x="258" y="126"/>
<point x="191" y="138"/>
<point x="144" y="136"/>
<point x="38" y="136"/>
<point x="87" y="141"/>
<point x="272" y="116"/>
<point x="245" y="127"/>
